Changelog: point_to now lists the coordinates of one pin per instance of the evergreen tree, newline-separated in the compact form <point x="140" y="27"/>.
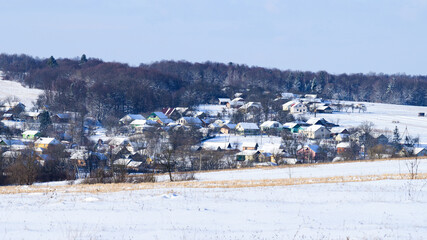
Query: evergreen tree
<point x="52" y="62"/>
<point x="83" y="59"/>
<point x="45" y="122"/>
<point x="396" y="138"/>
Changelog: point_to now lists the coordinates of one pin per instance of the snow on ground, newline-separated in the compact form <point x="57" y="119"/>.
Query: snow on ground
<point x="238" y="140"/>
<point x="26" y="95"/>
<point x="390" y="209"/>
<point x="317" y="171"/>
<point x="385" y="116"/>
<point x="214" y="109"/>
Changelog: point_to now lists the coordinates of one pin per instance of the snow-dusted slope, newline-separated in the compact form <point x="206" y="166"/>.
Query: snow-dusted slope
<point x="26" y="95"/>
<point x="385" y="116"/>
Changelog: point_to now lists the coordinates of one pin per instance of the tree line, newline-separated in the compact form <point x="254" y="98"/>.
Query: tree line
<point x="111" y="89"/>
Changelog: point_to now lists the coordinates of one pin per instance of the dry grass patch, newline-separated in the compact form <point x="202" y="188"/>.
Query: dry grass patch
<point x="118" y="187"/>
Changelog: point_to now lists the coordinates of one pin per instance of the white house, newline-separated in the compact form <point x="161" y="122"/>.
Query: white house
<point x="316" y="132"/>
<point x="131" y="117"/>
<point x="190" y="121"/>
<point x="271" y="125"/>
<point x="245" y="128"/>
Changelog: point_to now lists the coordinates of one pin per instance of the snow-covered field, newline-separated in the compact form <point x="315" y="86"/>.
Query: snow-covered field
<point x="317" y="170"/>
<point x="387" y="209"/>
<point x="14" y="89"/>
<point x="237" y="140"/>
<point x="385" y="117"/>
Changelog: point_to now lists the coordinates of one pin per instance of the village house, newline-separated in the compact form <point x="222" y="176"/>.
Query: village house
<point x="340" y="134"/>
<point x="245" y="128"/>
<point x="249" y="146"/>
<point x="228" y="128"/>
<point x="324" y="109"/>
<point x="160" y="118"/>
<point x="63" y="117"/>
<point x="45" y="142"/>
<point x="321" y="121"/>
<point x="420" y="152"/>
<point x="295" y="107"/>
<point x="293" y="127"/>
<point x="217" y="146"/>
<point x="190" y="121"/>
<point x="12" y="107"/>
<point x="236" y="103"/>
<point x="130" y="118"/>
<point x="316" y="132"/>
<point x="248" y="155"/>
<point x="251" y="106"/>
<point x="223" y="101"/>
<point x="311" y="153"/>
<point x="32" y="116"/>
<point x="343" y="147"/>
<point x="30" y="134"/>
<point x="267" y="125"/>
<point x="11" y="144"/>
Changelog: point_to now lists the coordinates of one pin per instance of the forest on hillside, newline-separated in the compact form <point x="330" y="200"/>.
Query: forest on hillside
<point x="111" y="89"/>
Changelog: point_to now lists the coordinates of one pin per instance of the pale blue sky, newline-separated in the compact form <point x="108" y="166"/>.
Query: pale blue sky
<point x="338" y="36"/>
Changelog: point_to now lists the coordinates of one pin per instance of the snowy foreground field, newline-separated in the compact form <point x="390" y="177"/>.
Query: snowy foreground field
<point x="384" y="209"/>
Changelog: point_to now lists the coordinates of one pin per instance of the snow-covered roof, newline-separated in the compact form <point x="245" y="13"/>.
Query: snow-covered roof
<point x="224" y="99"/>
<point x="192" y="120"/>
<point x="47" y="140"/>
<point x="161" y="115"/>
<point x="314" y="128"/>
<point x="32" y="114"/>
<point x="134" y="164"/>
<point x="287" y="95"/>
<point x="315" y="148"/>
<point x="290" y="103"/>
<point x="134" y="117"/>
<point x="250" y="144"/>
<point x="247" y="126"/>
<point x="324" y="107"/>
<point x="216" y="145"/>
<point x="269" y="124"/>
<point x="337" y="130"/>
<point x="344" y="145"/>
<point x="79" y="154"/>
<point x="30" y="132"/>
<point x="63" y="115"/>
<point x="251" y="104"/>
<point x="273" y="148"/>
<point x="122" y="161"/>
<point x="230" y="125"/>
<point x="418" y="150"/>
<point x="138" y="122"/>
<point x="290" y="125"/>
<point x="247" y="153"/>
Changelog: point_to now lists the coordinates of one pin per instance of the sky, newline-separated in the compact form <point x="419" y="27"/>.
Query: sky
<point x="338" y="36"/>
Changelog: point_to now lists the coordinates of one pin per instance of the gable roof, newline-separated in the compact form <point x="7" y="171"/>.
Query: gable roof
<point x="315" y="148"/>
<point x="192" y="120"/>
<point x="250" y="144"/>
<point x="314" y="128"/>
<point x="270" y="123"/>
<point x="344" y="145"/>
<point x="247" y="126"/>
<point x="47" y="140"/>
